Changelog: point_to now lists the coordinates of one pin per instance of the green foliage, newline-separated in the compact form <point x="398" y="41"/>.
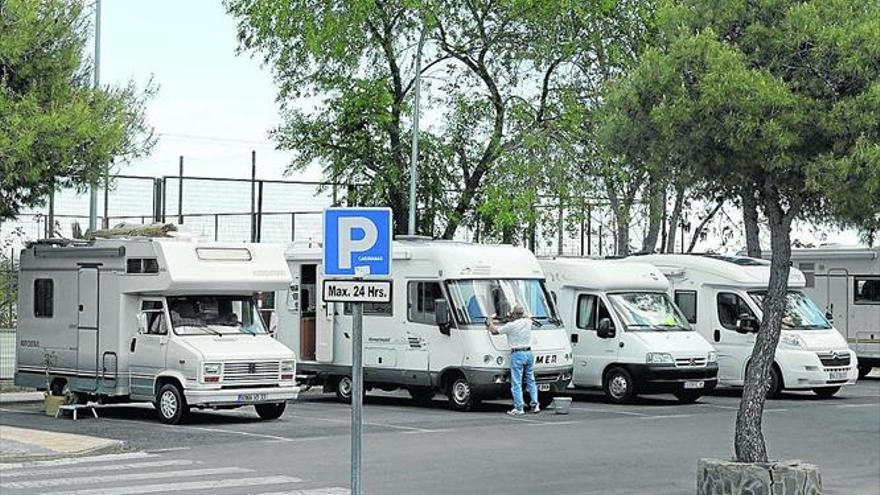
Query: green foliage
<point x="55" y="129"/>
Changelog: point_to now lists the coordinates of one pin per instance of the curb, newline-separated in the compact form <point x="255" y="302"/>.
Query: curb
<point x="105" y="449"/>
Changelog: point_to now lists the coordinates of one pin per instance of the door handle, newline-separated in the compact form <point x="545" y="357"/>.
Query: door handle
<point x="133" y="343"/>
<point x="717" y="335"/>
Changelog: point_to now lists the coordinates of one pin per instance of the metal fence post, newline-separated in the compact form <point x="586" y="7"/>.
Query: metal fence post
<point x="589" y="230"/>
<point x="106" y="220"/>
<point x="292" y="227"/>
<point x="260" y="211"/>
<point x="253" y="192"/>
<point x="180" y="194"/>
<point x="216" y="227"/>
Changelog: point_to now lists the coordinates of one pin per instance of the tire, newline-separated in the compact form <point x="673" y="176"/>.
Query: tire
<point x="171" y="405"/>
<point x="826" y="392"/>
<point x="343" y="388"/>
<point x="688" y="397"/>
<point x="776" y="384"/>
<point x="461" y="396"/>
<point x="618" y="386"/>
<point x="864" y="370"/>
<point x="272" y="410"/>
<point x="421" y="395"/>
<point x="545" y="399"/>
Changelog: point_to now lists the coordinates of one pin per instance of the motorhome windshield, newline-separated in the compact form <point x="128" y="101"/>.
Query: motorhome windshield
<point x="801" y="313"/>
<point x="648" y="311"/>
<point x="214" y="315"/>
<point x="474" y="300"/>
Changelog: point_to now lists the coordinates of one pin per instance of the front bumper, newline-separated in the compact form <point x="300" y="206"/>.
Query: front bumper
<point x="804" y="370"/>
<point x="495" y="382"/>
<point x="240" y="396"/>
<point x="653" y="379"/>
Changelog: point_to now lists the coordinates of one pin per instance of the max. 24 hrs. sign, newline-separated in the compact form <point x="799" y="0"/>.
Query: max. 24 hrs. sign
<point x="378" y="291"/>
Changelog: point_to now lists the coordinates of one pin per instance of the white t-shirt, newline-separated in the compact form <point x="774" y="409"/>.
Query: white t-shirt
<point x="519" y="332"/>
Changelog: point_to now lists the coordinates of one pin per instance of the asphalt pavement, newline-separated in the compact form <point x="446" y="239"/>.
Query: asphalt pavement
<point x="649" y="447"/>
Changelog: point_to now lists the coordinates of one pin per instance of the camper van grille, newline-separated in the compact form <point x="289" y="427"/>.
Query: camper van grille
<point x="259" y="371"/>
<point x="834" y="358"/>
<point x="690" y="362"/>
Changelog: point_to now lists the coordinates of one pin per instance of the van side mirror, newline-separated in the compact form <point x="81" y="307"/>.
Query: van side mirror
<point x="606" y="329"/>
<point x="142" y="322"/>
<point x="441" y="315"/>
<point x="746" y="323"/>
<point x="829" y="317"/>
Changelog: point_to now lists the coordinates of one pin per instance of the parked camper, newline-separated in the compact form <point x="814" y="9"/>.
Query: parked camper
<point x="168" y="321"/>
<point x="845" y="282"/>
<point x="432" y="336"/>
<point x="722" y="297"/>
<point x="627" y="336"/>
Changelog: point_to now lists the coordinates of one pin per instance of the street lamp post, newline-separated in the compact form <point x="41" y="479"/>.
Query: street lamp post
<point x="414" y="157"/>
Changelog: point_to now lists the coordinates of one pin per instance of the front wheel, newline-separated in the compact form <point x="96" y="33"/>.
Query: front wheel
<point x="864" y="370"/>
<point x="270" y="410"/>
<point x="618" y="386"/>
<point x="775" y="388"/>
<point x="546" y="398"/>
<point x="171" y="404"/>
<point x="461" y="396"/>
<point x="826" y="392"/>
<point x="343" y="389"/>
<point x="688" y="397"/>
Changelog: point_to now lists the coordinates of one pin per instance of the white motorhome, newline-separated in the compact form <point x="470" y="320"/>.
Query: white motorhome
<point x="722" y="296"/>
<point x="627" y="336"/>
<point x="169" y="321"/>
<point x="845" y="282"/>
<point x="432" y="336"/>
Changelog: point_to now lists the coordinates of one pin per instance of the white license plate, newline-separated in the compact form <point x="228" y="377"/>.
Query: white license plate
<point x="252" y="397"/>
<point x="699" y="384"/>
<point x="837" y="375"/>
<point x="543" y="387"/>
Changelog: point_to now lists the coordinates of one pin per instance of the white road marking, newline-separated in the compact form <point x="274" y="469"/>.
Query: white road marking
<point x="715" y="406"/>
<point x="315" y="491"/>
<point x="610" y="411"/>
<point x="78" y="460"/>
<point x="845" y="406"/>
<point x="170" y="449"/>
<point x="546" y="423"/>
<point x="387" y="425"/>
<point x="235" y="432"/>
<point x="666" y="416"/>
<point x="54" y="471"/>
<point x="181" y="487"/>
<point x="116" y="478"/>
<point x="775" y="410"/>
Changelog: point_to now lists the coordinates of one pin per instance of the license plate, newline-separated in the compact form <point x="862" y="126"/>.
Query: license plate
<point x="837" y="375"/>
<point x="252" y="397"/>
<point x="699" y="384"/>
<point x="543" y="387"/>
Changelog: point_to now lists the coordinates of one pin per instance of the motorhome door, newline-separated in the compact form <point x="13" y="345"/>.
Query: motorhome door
<point x="324" y="314"/>
<point x="87" y="328"/>
<point x="838" y="293"/>
<point x="148" y="347"/>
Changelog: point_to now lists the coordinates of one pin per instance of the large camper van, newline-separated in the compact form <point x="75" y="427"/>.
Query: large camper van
<point x="169" y="321"/>
<point x="722" y="296"/>
<point x="845" y="282"/>
<point x="627" y="336"/>
<point x="432" y="337"/>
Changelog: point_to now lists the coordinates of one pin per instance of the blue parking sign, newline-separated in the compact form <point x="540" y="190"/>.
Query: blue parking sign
<point x="357" y="242"/>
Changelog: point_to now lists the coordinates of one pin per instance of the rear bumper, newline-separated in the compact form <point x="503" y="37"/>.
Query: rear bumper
<point x="240" y="396"/>
<point x="495" y="382"/>
<point x="650" y="379"/>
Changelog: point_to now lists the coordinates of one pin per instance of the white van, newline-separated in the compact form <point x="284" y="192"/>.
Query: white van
<point x="167" y="321"/>
<point x="626" y="335"/>
<point x="432" y="336"/>
<point x="723" y="296"/>
<point x="845" y="282"/>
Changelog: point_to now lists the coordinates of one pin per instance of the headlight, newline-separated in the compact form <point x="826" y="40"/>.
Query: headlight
<point x="791" y="340"/>
<point x="287" y="366"/>
<point x="713" y="357"/>
<point x="499" y="360"/>
<point x="212" y="368"/>
<point x="659" y="358"/>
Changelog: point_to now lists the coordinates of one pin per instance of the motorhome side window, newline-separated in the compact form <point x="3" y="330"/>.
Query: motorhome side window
<point x="421" y="296"/>
<point x="142" y="265"/>
<point x="155" y="317"/>
<point x="44" y="298"/>
<point x="730" y="307"/>
<point x="370" y="309"/>
<point x="866" y="290"/>
<point x="686" y="300"/>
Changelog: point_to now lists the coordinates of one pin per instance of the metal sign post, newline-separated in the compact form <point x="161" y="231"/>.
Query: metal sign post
<point x="357" y="244"/>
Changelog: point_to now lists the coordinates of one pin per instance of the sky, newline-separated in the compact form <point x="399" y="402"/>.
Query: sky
<point x="213" y="107"/>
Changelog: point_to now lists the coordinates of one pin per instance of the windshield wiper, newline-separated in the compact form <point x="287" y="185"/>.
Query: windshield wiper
<point x="536" y="321"/>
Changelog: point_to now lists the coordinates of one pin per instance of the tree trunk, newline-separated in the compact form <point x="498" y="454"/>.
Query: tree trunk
<point x="699" y="229"/>
<point x="750" y="221"/>
<point x="675" y="218"/>
<point x="656" y="199"/>
<point x="749" y="439"/>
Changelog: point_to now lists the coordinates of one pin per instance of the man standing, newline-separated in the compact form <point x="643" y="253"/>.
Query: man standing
<point x="522" y="362"/>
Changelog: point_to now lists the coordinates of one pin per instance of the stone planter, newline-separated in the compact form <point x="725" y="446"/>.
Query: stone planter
<point x="720" y="477"/>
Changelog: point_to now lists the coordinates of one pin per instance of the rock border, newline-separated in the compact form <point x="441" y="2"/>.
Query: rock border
<point x="726" y="477"/>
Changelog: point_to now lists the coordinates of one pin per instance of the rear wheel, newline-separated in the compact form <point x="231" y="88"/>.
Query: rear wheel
<point x="688" y="397"/>
<point x="271" y="410"/>
<point x="343" y="388"/>
<point x="864" y="369"/>
<point x="775" y="383"/>
<point x="826" y="392"/>
<point x="171" y="404"/>
<point x="618" y="386"/>
<point x="461" y="396"/>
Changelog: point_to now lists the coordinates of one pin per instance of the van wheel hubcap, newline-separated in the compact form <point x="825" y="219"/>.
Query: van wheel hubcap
<point x="168" y="404"/>
<point x="618" y="386"/>
<point x="345" y="387"/>
<point x="460" y="391"/>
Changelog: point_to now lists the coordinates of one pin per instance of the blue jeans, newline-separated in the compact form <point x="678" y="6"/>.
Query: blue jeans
<point x="522" y="363"/>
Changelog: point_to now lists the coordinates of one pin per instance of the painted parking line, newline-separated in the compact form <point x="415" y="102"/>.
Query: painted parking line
<point x="336" y="490"/>
<point x="185" y="486"/>
<point x="118" y="478"/>
<point x="669" y="416"/>
<point x="609" y="411"/>
<point x="847" y="406"/>
<point x="55" y="471"/>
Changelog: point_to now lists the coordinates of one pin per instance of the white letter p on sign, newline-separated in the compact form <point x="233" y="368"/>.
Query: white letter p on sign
<point x="347" y="245"/>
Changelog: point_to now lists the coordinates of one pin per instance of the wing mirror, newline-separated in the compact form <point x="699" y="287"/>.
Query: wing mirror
<point x="747" y="323"/>
<point x="829" y="317"/>
<point x="142" y="322"/>
<point x="606" y="329"/>
<point x="441" y="315"/>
